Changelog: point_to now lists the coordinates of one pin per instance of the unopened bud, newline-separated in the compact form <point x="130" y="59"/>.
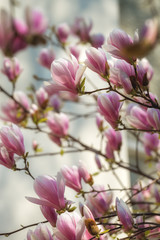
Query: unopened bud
<point x="91" y="226"/>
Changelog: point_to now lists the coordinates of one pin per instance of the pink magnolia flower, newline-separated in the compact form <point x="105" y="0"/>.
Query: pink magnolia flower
<point x="50" y="191"/>
<point x="153" y="117"/>
<point x="98" y="162"/>
<point x="6" y="157"/>
<point x="137" y="117"/>
<point x="58" y="123"/>
<point x="72" y="177"/>
<point x="122" y="74"/>
<point x="11" y="68"/>
<point x="151" y="142"/>
<point x="42" y="97"/>
<point x="97" y="40"/>
<point x="109" y="152"/>
<point x="12" y="139"/>
<point x="36" y="22"/>
<point x="99" y="121"/>
<point x="117" y="41"/>
<point x="66" y="76"/>
<point x="75" y="50"/>
<point x="70" y="226"/>
<point x="83" y="172"/>
<point x="12" y="111"/>
<point x="50" y="214"/>
<point x="62" y="32"/>
<point x="82" y="29"/>
<point x="114" y="138"/>
<point x="109" y="106"/>
<point x="40" y="233"/>
<point x="144" y="72"/>
<point x="99" y="203"/>
<point x="124" y="214"/>
<point x="46" y="57"/>
<point x="55" y="102"/>
<point x="97" y="61"/>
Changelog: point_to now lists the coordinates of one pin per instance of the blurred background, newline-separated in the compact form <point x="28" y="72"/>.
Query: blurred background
<point x="106" y="15"/>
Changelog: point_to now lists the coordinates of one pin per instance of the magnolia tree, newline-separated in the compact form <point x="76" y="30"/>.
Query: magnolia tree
<point x="124" y="104"/>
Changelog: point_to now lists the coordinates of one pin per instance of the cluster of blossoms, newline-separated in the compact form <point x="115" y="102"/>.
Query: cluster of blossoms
<point x="126" y="75"/>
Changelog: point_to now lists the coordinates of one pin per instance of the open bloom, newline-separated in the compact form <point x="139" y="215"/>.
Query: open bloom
<point x="50" y="191"/>
<point x="6" y="158"/>
<point x="66" y="76"/>
<point x="11" y="68"/>
<point x="40" y="233"/>
<point x="109" y="106"/>
<point x="124" y="214"/>
<point x="12" y="139"/>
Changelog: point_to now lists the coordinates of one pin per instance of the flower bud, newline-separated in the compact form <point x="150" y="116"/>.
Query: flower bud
<point x="97" y="40"/>
<point x="12" y="139"/>
<point x="124" y="214"/>
<point x="46" y="57"/>
<point x="42" y="97"/>
<point x="62" y="32"/>
<point x="11" y="68"/>
<point x="109" y="106"/>
<point x="6" y="157"/>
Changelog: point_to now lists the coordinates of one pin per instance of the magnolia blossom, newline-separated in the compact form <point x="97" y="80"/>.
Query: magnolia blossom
<point x="66" y="76"/>
<point x="58" y="123"/>
<point x="98" y="162"/>
<point x="72" y="177"/>
<point x="114" y="138"/>
<point x="42" y="97"/>
<point x="87" y="177"/>
<point x="12" y="139"/>
<point x="55" y="102"/>
<point x="6" y="157"/>
<point x="75" y="50"/>
<point x="99" y="203"/>
<point x="50" y="191"/>
<point x="124" y="214"/>
<point x="122" y="74"/>
<point x="117" y="41"/>
<point x="137" y="117"/>
<point x="36" y="22"/>
<point x="10" y="40"/>
<point x="109" y="106"/>
<point x="97" y="40"/>
<point x="82" y="29"/>
<point x="97" y="61"/>
<point x="153" y="117"/>
<point x="46" y="57"/>
<point x="99" y="121"/>
<point x="40" y="233"/>
<point x="50" y="214"/>
<point x="151" y="142"/>
<point x="11" y="68"/>
<point x="62" y="32"/>
<point x="70" y="226"/>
